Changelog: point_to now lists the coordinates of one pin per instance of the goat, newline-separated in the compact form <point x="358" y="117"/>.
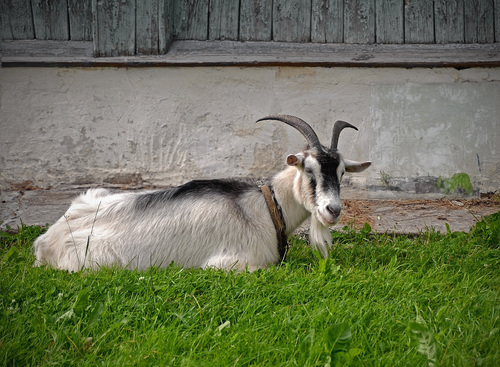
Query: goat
<point x="226" y="224"/>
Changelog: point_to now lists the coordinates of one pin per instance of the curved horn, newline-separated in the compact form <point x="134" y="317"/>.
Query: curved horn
<point x="337" y="128"/>
<point x="299" y="124"/>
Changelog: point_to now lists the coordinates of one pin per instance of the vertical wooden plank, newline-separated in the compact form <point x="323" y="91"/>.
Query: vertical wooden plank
<point x="389" y="21"/>
<point x="80" y="20"/>
<point x="113" y="27"/>
<point x="419" y="21"/>
<point x="223" y="21"/>
<point x="496" y="8"/>
<point x="5" y="31"/>
<point x="359" y="21"/>
<point x="327" y="21"/>
<point x="292" y="20"/>
<point x="146" y="27"/>
<point x="256" y="20"/>
<point x="16" y="20"/>
<point x="449" y="21"/>
<point x="191" y="19"/>
<point x="479" y="21"/>
<point x="50" y="19"/>
<point x="165" y="25"/>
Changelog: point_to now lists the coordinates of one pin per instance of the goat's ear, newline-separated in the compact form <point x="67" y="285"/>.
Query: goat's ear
<point x="295" y="160"/>
<point x="353" y="166"/>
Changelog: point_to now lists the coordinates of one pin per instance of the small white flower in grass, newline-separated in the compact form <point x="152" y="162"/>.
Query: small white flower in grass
<point x="13" y="301"/>
<point x="141" y="278"/>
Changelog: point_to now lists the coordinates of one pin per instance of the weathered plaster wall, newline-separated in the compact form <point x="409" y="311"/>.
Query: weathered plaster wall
<point x="137" y="127"/>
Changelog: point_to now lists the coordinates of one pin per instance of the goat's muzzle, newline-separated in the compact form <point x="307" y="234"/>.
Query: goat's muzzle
<point x="329" y="215"/>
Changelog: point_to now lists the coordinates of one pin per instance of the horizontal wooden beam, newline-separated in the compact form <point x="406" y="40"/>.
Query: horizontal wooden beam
<point x="234" y="53"/>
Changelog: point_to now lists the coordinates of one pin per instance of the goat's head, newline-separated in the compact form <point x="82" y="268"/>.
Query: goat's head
<point x="320" y="170"/>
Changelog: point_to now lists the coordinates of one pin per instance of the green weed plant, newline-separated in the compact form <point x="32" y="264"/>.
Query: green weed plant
<point x="378" y="300"/>
<point x="459" y="182"/>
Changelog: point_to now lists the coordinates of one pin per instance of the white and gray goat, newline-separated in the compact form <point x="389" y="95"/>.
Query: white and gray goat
<point x="205" y="223"/>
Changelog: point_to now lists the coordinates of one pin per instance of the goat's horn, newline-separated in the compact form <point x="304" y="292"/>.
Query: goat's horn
<point x="337" y="128"/>
<point x="299" y="124"/>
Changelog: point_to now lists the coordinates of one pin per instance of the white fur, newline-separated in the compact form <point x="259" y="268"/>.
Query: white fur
<point x="190" y="233"/>
<point x="105" y="229"/>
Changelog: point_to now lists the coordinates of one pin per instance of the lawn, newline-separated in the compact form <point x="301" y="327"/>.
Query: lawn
<point x="378" y="300"/>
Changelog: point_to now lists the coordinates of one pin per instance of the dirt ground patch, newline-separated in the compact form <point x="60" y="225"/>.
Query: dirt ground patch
<point x="413" y="216"/>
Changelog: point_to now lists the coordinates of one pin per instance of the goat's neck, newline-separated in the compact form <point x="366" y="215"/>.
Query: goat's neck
<point x="294" y="212"/>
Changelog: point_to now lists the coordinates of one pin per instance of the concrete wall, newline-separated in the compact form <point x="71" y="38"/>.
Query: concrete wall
<point x="137" y="127"/>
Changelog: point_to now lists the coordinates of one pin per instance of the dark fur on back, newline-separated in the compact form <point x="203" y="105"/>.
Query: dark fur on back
<point x="228" y="188"/>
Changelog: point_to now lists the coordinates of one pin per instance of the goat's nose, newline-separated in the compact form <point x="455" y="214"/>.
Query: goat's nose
<point x="335" y="210"/>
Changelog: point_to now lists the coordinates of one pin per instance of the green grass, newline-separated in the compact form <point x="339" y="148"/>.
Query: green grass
<point x="379" y="300"/>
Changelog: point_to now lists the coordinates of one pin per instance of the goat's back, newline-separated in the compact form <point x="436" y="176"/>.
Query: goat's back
<point x="218" y="223"/>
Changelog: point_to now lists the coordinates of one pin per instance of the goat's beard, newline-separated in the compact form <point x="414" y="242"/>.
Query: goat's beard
<point x="319" y="236"/>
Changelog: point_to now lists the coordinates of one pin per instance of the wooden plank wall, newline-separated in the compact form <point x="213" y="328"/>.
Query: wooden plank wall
<point x="224" y="21"/>
<point x="114" y="27"/>
<point x="128" y="27"/>
<point x="46" y="19"/>
<point x="17" y="19"/>
<point x="255" y="20"/>
<point x="327" y="24"/>
<point x="80" y="20"/>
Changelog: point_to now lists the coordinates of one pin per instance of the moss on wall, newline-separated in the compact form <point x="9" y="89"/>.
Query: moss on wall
<point x="459" y="182"/>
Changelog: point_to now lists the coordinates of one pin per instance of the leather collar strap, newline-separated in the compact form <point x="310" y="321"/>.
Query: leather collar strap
<point x="277" y="217"/>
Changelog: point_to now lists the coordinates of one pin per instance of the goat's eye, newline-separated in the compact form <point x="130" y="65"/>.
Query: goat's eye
<point x="308" y="171"/>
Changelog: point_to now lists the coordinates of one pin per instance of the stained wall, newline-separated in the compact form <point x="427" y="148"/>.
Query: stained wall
<point x="66" y="128"/>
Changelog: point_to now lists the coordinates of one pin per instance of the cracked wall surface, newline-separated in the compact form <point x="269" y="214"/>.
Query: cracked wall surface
<point x="71" y="128"/>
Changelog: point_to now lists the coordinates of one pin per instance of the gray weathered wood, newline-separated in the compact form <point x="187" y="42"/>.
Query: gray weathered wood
<point x="127" y="27"/>
<point x="479" y="21"/>
<point x="359" y="21"/>
<point x="223" y="21"/>
<point x="80" y="20"/>
<point x="165" y="25"/>
<point x="449" y="21"/>
<point x="327" y="21"/>
<point x="114" y="27"/>
<point x="292" y="20"/>
<point x="46" y="50"/>
<point x="191" y="19"/>
<point x="497" y="20"/>
<point x="50" y="18"/>
<point x="389" y="21"/>
<point x="147" y="27"/>
<point x="419" y="21"/>
<point x="16" y="20"/>
<point x="230" y="53"/>
<point x="5" y="31"/>
<point x="256" y="20"/>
